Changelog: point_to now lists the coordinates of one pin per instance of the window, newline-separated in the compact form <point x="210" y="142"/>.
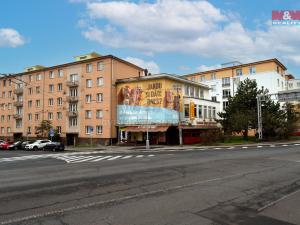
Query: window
<point x="37" y="103"/>
<point x="192" y="91"/>
<point x="214" y="112"/>
<point x="89" y="83"/>
<point x="3" y="94"/>
<point x="252" y="70"/>
<point x="72" y="121"/>
<point x="197" y="92"/>
<point x="29" y="104"/>
<point x="238" y="72"/>
<point x="193" y="79"/>
<point x="2" y="130"/>
<point x="225" y="105"/>
<point x="201" y="93"/>
<point x="59" y="101"/>
<point x="60" y="73"/>
<point x="72" y="107"/>
<point x="9" y="106"/>
<point x="213" y="76"/>
<point x="278" y="82"/>
<point x="38" y="77"/>
<point x="209" y="112"/>
<point x="277" y="69"/>
<point x="202" y="78"/>
<point x="99" y="113"/>
<point x="88" y="98"/>
<point x="290" y="85"/>
<point x="205" y="112"/>
<point x="9" y="94"/>
<point x="58" y="128"/>
<point x="187" y="90"/>
<point x="199" y="111"/>
<point x="100" y="66"/>
<point x="50" y="101"/>
<point x="37" y="89"/>
<point x="99" y="129"/>
<point x="74" y="77"/>
<point x="89" y="129"/>
<point x="59" y="87"/>
<point x="2" y="118"/>
<point x="214" y="98"/>
<point x="50" y="116"/>
<point x="29" y="116"/>
<point x="226" y="93"/>
<point x="186" y="110"/>
<point x="89" y="68"/>
<point x="73" y="92"/>
<point x="51" y="88"/>
<point x="8" y="130"/>
<point x="8" y="117"/>
<point x="213" y="88"/>
<point x="51" y="74"/>
<point x="226" y="81"/>
<point x="99" y="81"/>
<point x="28" y="130"/>
<point x="37" y="116"/>
<point x="30" y="78"/>
<point x="59" y="115"/>
<point x="18" y="123"/>
<point x="88" y="114"/>
<point x="30" y="91"/>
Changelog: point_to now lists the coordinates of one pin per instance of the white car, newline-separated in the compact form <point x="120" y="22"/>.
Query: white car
<point x="37" y="145"/>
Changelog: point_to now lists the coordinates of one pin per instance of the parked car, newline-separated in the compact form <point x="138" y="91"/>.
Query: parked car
<point x="4" y="145"/>
<point x="54" y="146"/>
<point x="24" y="143"/>
<point x="37" y="145"/>
<point x="16" y="145"/>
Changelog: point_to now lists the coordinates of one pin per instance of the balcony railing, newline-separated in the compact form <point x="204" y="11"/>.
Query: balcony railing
<point x="72" y="83"/>
<point x="17" y="116"/>
<point x="72" y="113"/>
<point x="18" y="103"/>
<point x="225" y="84"/>
<point x="72" y="98"/>
<point x="18" y="91"/>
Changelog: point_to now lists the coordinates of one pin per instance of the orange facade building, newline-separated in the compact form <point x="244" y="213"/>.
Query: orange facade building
<point x="79" y="98"/>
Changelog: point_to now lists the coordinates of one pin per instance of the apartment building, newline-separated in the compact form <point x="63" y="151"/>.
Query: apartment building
<point x="79" y="98"/>
<point x="223" y="82"/>
<point x="162" y="104"/>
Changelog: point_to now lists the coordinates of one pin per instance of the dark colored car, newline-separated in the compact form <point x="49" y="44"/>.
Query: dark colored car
<point x="54" y="146"/>
<point x="24" y="143"/>
<point x="16" y="145"/>
<point x="4" y="145"/>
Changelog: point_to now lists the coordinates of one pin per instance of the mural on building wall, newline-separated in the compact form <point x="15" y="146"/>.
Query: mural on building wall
<point x="148" y="102"/>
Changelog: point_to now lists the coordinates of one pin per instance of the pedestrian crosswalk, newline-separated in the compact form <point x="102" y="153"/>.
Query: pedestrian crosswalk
<point x="76" y="157"/>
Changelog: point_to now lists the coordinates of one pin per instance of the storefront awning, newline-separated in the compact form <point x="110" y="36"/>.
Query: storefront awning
<point x="151" y="128"/>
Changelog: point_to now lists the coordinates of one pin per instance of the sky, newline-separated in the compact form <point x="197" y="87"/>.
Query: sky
<point x="171" y="36"/>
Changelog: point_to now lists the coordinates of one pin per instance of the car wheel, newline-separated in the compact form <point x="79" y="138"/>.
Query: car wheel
<point x="35" y="148"/>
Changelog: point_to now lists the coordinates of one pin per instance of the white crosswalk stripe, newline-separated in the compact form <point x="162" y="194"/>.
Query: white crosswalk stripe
<point x="74" y="157"/>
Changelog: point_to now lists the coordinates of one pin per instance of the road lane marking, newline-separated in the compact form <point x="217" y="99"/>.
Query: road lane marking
<point x="105" y="157"/>
<point x="296" y="144"/>
<point x="115" y="157"/>
<point x="245" y="147"/>
<point x="259" y="146"/>
<point x="284" y="145"/>
<point x="87" y="158"/>
<point x="127" y="157"/>
<point x="272" y="146"/>
<point x="154" y="155"/>
<point x="139" y="156"/>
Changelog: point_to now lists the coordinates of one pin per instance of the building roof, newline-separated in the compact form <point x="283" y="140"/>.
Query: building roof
<point x="74" y="63"/>
<point x="239" y="66"/>
<point x="161" y="76"/>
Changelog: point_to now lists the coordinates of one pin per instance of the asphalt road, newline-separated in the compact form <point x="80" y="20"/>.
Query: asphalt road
<point x="249" y="186"/>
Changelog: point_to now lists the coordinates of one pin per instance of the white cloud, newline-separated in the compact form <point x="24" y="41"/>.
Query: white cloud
<point x="10" y="38"/>
<point x="194" y="27"/>
<point x="150" y="65"/>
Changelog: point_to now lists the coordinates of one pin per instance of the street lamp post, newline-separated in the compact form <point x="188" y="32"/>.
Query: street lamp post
<point x="147" y="129"/>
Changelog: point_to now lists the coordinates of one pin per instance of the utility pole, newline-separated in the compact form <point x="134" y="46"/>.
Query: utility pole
<point x="259" y="117"/>
<point x="178" y="87"/>
<point x="147" y="127"/>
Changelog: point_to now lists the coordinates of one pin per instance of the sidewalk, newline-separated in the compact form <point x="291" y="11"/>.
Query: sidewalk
<point x="161" y="148"/>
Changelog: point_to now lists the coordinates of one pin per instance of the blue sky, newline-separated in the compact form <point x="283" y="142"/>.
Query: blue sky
<point x="165" y="36"/>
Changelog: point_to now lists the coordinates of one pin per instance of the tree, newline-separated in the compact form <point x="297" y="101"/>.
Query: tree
<point x="44" y="128"/>
<point x="241" y="113"/>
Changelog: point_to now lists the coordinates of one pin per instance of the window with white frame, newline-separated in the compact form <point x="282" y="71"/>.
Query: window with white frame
<point x="99" y="129"/>
<point x="205" y="112"/>
<point x="59" y="101"/>
<point x="73" y="107"/>
<point x="51" y="74"/>
<point x="36" y="116"/>
<point x="186" y="110"/>
<point x="51" y="88"/>
<point x="58" y="128"/>
<point x="202" y="78"/>
<point x="59" y="87"/>
<point x="100" y="66"/>
<point x="74" y="77"/>
<point x="73" y="92"/>
<point x="18" y="123"/>
<point x="50" y="101"/>
<point x="60" y="73"/>
<point x="238" y="72"/>
<point x="187" y="90"/>
<point x="38" y="103"/>
<point x="89" y="68"/>
<point x="201" y="93"/>
<point x="29" y="116"/>
<point x="99" y="97"/>
<point x="39" y="77"/>
<point x="72" y="121"/>
<point x="30" y="104"/>
<point x="50" y="116"/>
<point x="59" y="115"/>
<point x="89" y="129"/>
<point x="99" y="113"/>
<point x="88" y="98"/>
<point x="89" y="83"/>
<point x="214" y="112"/>
<point x="213" y="76"/>
<point x="8" y="130"/>
<point x="226" y="93"/>
<point x="252" y="70"/>
<point x="88" y="114"/>
<point x="192" y="91"/>
<point x="199" y="108"/>
<point x="99" y="81"/>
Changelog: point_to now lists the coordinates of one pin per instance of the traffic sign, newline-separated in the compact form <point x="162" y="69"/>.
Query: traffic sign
<point x="51" y="132"/>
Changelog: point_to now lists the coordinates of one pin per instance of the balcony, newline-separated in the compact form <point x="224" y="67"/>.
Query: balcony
<point x="225" y="84"/>
<point x="17" y="116"/>
<point x="72" y="83"/>
<point x="18" y="103"/>
<point x="72" y="98"/>
<point x="72" y="114"/>
<point x="18" y="91"/>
